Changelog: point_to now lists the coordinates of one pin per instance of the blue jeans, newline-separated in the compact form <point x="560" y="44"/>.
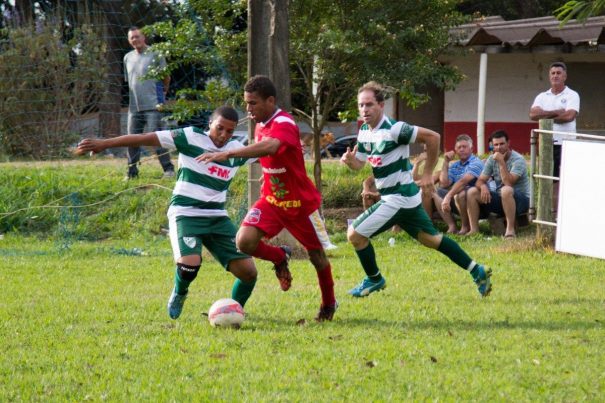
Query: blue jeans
<point x="136" y="125"/>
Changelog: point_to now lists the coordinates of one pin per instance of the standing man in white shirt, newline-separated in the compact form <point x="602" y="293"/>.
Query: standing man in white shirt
<point x="562" y="104"/>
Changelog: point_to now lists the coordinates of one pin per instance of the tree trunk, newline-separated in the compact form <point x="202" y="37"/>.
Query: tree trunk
<point x="279" y="43"/>
<point x="109" y="107"/>
<point x="317" y="157"/>
<point x="25" y="10"/>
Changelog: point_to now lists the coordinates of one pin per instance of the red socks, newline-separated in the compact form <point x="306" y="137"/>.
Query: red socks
<point x="268" y="252"/>
<point x="326" y="284"/>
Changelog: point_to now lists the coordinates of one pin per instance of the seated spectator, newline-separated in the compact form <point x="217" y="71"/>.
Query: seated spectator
<point x="511" y="196"/>
<point x="455" y="180"/>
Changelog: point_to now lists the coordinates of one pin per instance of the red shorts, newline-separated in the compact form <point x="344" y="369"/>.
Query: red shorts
<point x="271" y="220"/>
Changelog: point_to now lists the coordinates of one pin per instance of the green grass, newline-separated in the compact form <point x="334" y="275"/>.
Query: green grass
<point x="89" y="322"/>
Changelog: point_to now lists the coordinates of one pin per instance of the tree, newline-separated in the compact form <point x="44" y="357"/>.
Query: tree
<point x="580" y="10"/>
<point x="47" y="83"/>
<point x="337" y="45"/>
<point x="208" y="36"/>
<point x="509" y="9"/>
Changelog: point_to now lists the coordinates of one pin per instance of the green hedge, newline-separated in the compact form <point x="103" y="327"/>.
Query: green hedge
<point x="36" y="198"/>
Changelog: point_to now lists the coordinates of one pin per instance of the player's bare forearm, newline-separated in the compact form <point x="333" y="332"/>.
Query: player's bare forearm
<point x="213" y="157"/>
<point x="128" y="140"/>
<point x="262" y="148"/>
<point x="431" y="140"/>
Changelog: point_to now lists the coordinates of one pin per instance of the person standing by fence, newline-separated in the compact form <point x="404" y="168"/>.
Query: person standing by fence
<point x="562" y="104"/>
<point x="145" y="96"/>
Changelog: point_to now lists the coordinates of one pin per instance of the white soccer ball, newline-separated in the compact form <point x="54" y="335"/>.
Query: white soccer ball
<point x="226" y="312"/>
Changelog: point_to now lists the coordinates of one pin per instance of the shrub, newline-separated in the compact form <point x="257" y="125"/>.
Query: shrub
<point x="46" y="84"/>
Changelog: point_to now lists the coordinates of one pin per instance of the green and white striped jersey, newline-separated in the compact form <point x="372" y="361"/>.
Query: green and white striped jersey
<point x="387" y="150"/>
<point x="200" y="189"/>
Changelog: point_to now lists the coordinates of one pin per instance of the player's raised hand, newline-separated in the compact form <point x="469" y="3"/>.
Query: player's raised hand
<point x="349" y="156"/>
<point x="89" y="145"/>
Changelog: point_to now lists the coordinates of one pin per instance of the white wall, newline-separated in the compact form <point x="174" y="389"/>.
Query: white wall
<point x="513" y="81"/>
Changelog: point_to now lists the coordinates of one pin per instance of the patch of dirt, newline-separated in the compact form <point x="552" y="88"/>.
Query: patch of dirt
<point x="341" y="214"/>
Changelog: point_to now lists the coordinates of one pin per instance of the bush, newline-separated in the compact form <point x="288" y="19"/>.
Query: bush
<point x="88" y="200"/>
<point x="46" y="84"/>
<point x="341" y="187"/>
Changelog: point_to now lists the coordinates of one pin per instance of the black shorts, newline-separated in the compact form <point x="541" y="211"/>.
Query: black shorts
<point x="556" y="160"/>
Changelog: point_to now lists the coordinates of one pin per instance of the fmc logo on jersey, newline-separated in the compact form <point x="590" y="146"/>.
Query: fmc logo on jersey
<point x="218" y="171"/>
<point x="375" y="161"/>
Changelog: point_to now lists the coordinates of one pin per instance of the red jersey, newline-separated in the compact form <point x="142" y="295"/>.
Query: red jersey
<point x="286" y="184"/>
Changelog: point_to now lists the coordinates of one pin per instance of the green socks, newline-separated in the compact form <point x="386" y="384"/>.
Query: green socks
<point x="180" y="286"/>
<point x="367" y="257"/>
<point x="241" y="291"/>
<point x="456" y="254"/>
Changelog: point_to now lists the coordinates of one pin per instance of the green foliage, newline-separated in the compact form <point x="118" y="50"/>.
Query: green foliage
<point x="509" y="10"/>
<point x="205" y="36"/>
<point x="335" y="46"/>
<point x="46" y="84"/>
<point x="191" y="102"/>
<point x="338" y="45"/>
<point x="91" y="324"/>
<point x="341" y="186"/>
<point x="580" y="10"/>
<point x="88" y="200"/>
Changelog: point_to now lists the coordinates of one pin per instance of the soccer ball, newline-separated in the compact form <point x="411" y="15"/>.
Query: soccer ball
<point x="226" y="312"/>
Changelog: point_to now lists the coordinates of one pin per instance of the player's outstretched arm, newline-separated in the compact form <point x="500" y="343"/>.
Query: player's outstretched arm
<point x="267" y="146"/>
<point x="128" y="140"/>
<point x="349" y="159"/>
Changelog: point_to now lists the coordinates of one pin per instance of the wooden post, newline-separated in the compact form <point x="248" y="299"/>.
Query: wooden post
<point x="533" y="145"/>
<point x="258" y="56"/>
<point x="109" y="107"/>
<point x="544" y="233"/>
<point x="268" y="55"/>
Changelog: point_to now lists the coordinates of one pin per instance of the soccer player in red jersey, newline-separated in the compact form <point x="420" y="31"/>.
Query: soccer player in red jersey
<point x="288" y="197"/>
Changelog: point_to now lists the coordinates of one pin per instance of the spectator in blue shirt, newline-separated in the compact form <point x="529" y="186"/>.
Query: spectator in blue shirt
<point x="454" y="180"/>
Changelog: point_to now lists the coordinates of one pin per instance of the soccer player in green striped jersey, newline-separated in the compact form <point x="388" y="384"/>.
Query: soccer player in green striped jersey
<point x="197" y="214"/>
<point x="384" y="143"/>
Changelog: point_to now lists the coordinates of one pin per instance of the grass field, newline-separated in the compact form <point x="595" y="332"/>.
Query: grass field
<point x="89" y="322"/>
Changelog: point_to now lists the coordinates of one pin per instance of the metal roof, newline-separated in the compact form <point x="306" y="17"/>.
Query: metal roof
<point x="528" y="33"/>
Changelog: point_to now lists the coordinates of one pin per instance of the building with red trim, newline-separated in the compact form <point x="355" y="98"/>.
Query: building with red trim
<point x="511" y="58"/>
